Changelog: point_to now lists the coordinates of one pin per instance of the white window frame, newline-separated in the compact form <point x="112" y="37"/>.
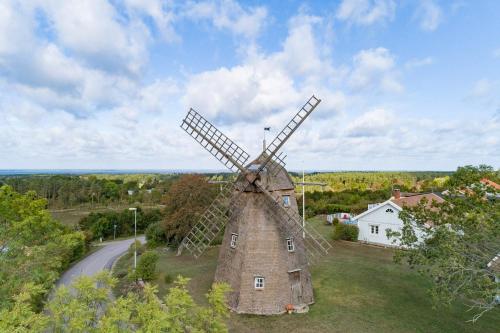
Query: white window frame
<point x="374" y="229"/>
<point x="290" y="245"/>
<point x="287" y="202"/>
<point x="259" y="282"/>
<point x="234" y="238"/>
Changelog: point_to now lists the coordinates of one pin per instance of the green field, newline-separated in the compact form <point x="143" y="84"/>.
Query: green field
<point x="357" y="288"/>
<point x="72" y="216"/>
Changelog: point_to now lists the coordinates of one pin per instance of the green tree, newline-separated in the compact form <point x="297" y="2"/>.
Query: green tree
<point x="86" y="306"/>
<point x="146" y="267"/>
<point x="34" y="248"/>
<point x="463" y="238"/>
<point x="469" y="174"/>
<point x="155" y="235"/>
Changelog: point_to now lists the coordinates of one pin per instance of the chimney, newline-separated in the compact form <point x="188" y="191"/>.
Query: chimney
<point x="396" y="193"/>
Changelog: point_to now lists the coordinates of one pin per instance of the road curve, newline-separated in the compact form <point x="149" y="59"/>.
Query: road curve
<point x="97" y="261"/>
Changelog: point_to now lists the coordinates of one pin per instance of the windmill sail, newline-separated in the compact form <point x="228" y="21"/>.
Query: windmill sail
<point x="213" y="220"/>
<point x="288" y="130"/>
<point x="210" y="224"/>
<point x="213" y="140"/>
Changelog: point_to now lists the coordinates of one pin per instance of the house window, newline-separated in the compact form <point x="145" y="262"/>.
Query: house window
<point x="286" y="201"/>
<point x="259" y="282"/>
<point x="234" y="238"/>
<point x="374" y="229"/>
<point x="389" y="210"/>
<point x="290" y="245"/>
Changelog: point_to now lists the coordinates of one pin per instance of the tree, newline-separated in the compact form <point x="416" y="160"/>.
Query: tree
<point x="469" y="174"/>
<point x="146" y="268"/>
<point x="155" y="235"/>
<point x="186" y="200"/>
<point x="463" y="238"/>
<point x="34" y="248"/>
<point x="86" y="306"/>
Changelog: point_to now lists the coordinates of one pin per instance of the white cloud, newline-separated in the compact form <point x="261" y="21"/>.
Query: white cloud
<point x="419" y="62"/>
<point x="161" y="13"/>
<point x="366" y="12"/>
<point x="372" y="123"/>
<point x="429" y="14"/>
<point x="94" y="31"/>
<point x="375" y="68"/>
<point x="267" y="84"/>
<point x="482" y="88"/>
<point x="230" y="15"/>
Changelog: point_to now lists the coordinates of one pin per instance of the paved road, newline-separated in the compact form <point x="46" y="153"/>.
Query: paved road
<point x="97" y="261"/>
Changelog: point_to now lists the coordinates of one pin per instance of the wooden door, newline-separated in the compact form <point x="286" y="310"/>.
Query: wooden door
<point x="296" y="288"/>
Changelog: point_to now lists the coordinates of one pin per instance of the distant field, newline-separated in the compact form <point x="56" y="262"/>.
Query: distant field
<point x="72" y="216"/>
<point x="357" y="288"/>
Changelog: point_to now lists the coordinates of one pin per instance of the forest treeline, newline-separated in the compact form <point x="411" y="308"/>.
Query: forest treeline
<point x="68" y="191"/>
<point x="375" y="180"/>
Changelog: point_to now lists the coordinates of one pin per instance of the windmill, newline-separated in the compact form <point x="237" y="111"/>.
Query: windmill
<point x="266" y="251"/>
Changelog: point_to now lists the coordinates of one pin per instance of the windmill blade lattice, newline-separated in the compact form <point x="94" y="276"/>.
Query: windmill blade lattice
<point x="288" y="130"/>
<point x="213" y="140"/>
<point x="210" y="224"/>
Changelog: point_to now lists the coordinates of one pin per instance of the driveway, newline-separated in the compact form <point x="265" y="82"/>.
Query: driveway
<point x="98" y="261"/>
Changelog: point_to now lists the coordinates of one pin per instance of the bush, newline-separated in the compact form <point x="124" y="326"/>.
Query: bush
<point x="146" y="267"/>
<point x="140" y="248"/>
<point x="346" y="232"/>
<point x="335" y="221"/>
<point x="155" y="235"/>
<point x="168" y="279"/>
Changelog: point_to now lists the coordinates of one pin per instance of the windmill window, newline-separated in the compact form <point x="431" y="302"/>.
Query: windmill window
<point x="259" y="282"/>
<point x="234" y="238"/>
<point x="286" y="201"/>
<point x="374" y="229"/>
<point x="290" y="244"/>
<point x="389" y="210"/>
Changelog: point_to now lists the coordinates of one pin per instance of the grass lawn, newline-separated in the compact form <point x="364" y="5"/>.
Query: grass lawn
<point x="357" y="288"/>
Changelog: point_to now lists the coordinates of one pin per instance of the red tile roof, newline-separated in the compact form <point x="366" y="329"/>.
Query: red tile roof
<point x="491" y="183"/>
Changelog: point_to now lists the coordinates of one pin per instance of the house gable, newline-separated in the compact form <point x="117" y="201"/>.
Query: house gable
<point x="387" y="204"/>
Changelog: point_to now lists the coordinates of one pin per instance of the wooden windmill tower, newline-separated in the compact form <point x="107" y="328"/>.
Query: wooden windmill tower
<point x="266" y="251"/>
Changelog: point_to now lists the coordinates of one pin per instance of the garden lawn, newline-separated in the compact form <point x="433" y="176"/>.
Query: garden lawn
<point x="357" y="288"/>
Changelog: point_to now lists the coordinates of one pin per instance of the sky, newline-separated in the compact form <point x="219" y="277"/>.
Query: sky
<point x="105" y="84"/>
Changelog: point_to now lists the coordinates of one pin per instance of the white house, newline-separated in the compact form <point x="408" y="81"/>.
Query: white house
<point x="374" y="223"/>
<point x="494" y="266"/>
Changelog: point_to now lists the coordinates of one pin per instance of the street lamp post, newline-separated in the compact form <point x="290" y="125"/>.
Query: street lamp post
<point x="135" y="236"/>
<point x="303" y="203"/>
<point x="114" y="231"/>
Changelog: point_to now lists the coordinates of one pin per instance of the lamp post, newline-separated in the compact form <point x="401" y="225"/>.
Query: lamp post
<point x="114" y="231"/>
<point x="303" y="203"/>
<point x="135" y="236"/>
